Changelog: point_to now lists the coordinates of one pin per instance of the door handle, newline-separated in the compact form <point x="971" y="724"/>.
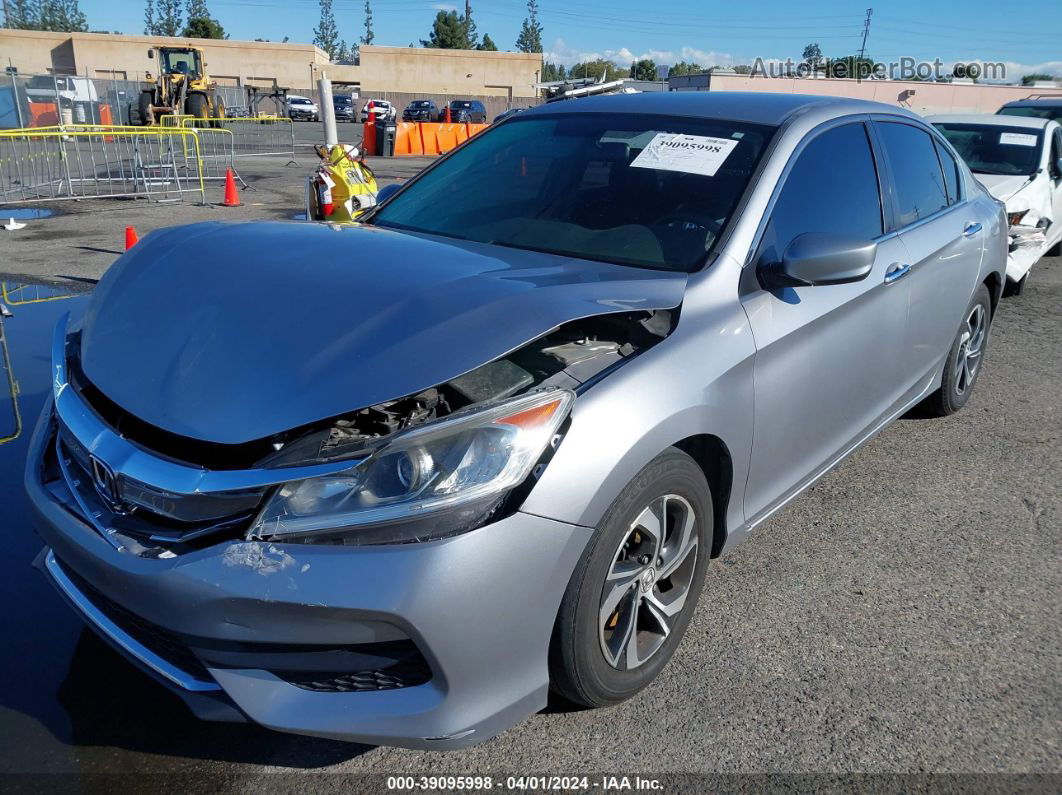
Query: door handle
<point x="971" y="228"/>
<point x="896" y="272"/>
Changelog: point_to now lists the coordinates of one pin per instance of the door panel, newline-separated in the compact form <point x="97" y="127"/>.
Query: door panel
<point x="945" y="255"/>
<point x="827" y="365"/>
<point x="828" y="357"/>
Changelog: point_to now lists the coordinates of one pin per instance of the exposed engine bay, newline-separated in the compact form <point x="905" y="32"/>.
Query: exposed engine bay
<point x="567" y="357"/>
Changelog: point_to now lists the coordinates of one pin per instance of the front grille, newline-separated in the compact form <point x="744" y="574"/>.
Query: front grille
<point x="404" y="673"/>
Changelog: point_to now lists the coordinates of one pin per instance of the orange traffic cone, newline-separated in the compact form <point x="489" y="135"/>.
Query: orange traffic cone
<point x="130" y="238"/>
<point x="232" y="198"/>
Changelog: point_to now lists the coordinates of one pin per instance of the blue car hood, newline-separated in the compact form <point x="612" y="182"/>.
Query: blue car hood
<point x="233" y="332"/>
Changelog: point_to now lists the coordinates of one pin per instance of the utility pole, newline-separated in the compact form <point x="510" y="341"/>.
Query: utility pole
<point x="863" y="47"/>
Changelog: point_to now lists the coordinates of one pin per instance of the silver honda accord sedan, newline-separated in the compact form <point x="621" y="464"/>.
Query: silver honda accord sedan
<point x="393" y="482"/>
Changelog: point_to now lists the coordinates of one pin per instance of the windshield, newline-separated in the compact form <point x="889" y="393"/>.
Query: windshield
<point x="185" y="62"/>
<point x="1043" y="112"/>
<point x="650" y="191"/>
<point x="992" y="149"/>
<point x="300" y="102"/>
<point x="457" y="103"/>
<point x="341" y="101"/>
<point x="420" y="103"/>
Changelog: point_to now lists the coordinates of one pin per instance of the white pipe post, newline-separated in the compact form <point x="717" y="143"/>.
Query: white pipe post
<point x="328" y="111"/>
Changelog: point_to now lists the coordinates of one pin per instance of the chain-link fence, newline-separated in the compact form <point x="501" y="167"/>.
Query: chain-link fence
<point x="46" y="100"/>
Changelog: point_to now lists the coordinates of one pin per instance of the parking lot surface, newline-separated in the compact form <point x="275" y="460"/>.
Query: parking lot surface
<point x="899" y="617"/>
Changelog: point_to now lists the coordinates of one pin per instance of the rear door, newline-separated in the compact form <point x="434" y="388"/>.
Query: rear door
<point x="944" y="237"/>
<point x="828" y="360"/>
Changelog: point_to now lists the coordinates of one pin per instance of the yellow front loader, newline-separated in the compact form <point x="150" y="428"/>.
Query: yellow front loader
<point x="182" y="87"/>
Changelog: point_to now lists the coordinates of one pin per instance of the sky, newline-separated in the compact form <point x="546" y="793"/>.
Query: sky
<point x="708" y="33"/>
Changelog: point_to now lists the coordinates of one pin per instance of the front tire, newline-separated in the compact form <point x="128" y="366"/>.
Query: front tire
<point x="965" y="357"/>
<point x="198" y="106"/>
<point x="634" y="590"/>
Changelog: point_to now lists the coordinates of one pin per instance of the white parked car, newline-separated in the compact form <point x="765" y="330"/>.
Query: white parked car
<point x="302" y="108"/>
<point x="1019" y="160"/>
<point x="378" y="109"/>
<point x="69" y="89"/>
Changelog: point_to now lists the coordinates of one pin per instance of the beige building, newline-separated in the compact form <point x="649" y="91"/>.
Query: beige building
<point x="505" y="75"/>
<point x="921" y="97"/>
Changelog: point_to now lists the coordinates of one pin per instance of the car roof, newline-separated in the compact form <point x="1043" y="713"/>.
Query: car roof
<point x="749" y="106"/>
<point x="992" y="120"/>
<point x="1033" y="102"/>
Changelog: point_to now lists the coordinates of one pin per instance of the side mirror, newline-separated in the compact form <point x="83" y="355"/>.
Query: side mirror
<point x="386" y="192"/>
<point x="815" y="259"/>
<point x="151" y="53"/>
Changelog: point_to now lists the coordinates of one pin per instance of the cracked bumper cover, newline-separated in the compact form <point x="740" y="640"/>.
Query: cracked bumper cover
<point x="480" y="608"/>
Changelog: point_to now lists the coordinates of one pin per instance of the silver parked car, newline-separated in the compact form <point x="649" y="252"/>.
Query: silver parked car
<point x="397" y="497"/>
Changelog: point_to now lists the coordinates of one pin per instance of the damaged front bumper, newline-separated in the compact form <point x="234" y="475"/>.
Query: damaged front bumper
<point x="427" y="645"/>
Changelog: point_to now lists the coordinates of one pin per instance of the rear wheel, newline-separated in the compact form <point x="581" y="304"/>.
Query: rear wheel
<point x="965" y="357"/>
<point x="632" y="595"/>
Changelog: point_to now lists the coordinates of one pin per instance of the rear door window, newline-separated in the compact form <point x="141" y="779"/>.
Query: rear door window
<point x="918" y="179"/>
<point x="951" y="172"/>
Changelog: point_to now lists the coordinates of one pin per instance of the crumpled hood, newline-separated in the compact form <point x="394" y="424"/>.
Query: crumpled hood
<point x="1003" y="186"/>
<point x="233" y="332"/>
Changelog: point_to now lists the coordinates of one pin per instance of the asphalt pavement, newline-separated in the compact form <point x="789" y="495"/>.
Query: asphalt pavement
<point x="902" y="616"/>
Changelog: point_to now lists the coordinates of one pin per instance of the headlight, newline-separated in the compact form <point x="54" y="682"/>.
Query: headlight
<point x="434" y="480"/>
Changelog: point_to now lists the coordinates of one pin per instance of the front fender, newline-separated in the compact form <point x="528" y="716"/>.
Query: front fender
<point x="697" y="381"/>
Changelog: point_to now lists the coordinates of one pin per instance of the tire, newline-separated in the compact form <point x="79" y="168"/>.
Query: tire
<point x="965" y="357"/>
<point x="1055" y="250"/>
<point x="197" y="105"/>
<point x="1012" y="289"/>
<point x="144" y="108"/>
<point x="595" y="660"/>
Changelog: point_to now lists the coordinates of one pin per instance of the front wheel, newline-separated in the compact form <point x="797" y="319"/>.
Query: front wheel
<point x="965" y="357"/>
<point x="632" y="595"/>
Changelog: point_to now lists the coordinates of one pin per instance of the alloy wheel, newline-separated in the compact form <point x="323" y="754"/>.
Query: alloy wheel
<point x="971" y="344"/>
<point x="648" y="582"/>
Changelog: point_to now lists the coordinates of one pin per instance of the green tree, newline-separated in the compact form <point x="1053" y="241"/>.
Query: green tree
<point x="552" y="72"/>
<point x="1028" y="80"/>
<point x="530" y="38"/>
<point x="196" y="8"/>
<point x="204" y="28"/>
<point x="812" y="55"/>
<point x="468" y="25"/>
<point x="597" y="69"/>
<point x="645" y="69"/>
<point x="163" y="18"/>
<point x="447" y="32"/>
<point x="326" y="34"/>
<point x="369" y="35"/>
<point x="487" y="44"/>
<point x="53" y="15"/>
<point x="683" y="68"/>
<point x="742" y="69"/>
<point x="851" y="66"/>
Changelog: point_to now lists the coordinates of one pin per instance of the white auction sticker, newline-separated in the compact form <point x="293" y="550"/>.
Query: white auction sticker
<point x="1019" y="139"/>
<point x="692" y="154"/>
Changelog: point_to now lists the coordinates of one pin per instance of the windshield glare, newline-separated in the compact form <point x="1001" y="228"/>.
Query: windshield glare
<point x="579" y="185"/>
<point x="991" y="149"/>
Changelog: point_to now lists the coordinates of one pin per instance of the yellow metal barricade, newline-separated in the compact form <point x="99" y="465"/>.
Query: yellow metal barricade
<point x="95" y="161"/>
<point x="254" y="135"/>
